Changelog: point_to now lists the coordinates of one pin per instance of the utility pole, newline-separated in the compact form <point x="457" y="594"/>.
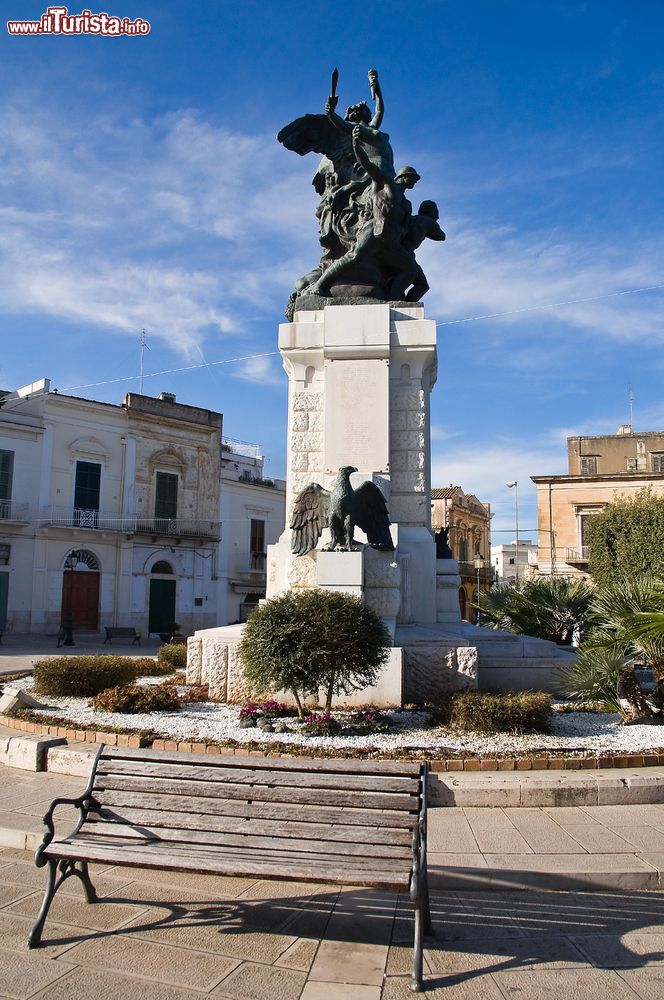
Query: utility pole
<point x="144" y="345"/>
<point x="515" y="487"/>
<point x="630" y="397"/>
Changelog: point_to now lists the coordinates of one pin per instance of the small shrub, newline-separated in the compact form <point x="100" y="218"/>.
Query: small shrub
<point x="321" y="724"/>
<point x="276" y="710"/>
<point x="195" y="693"/>
<point x="82" y="676"/>
<point x="503" y="712"/>
<point x="147" y="667"/>
<point x="133" y="699"/>
<point x="370" y="720"/>
<point x="174" y="655"/>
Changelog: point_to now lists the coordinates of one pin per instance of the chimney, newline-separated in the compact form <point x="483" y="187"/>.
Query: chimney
<point x="167" y="397"/>
<point x="624" y="429"/>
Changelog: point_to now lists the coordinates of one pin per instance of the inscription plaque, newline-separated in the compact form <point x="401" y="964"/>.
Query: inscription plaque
<point x="357" y="404"/>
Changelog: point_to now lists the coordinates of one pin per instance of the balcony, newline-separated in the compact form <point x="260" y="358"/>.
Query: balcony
<point x="97" y="520"/>
<point x="577" y="557"/>
<point x="10" y="510"/>
<point x="467" y="569"/>
<point x="252" y="577"/>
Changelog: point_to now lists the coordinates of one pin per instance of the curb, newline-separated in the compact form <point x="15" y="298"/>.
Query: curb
<point x="528" y="762"/>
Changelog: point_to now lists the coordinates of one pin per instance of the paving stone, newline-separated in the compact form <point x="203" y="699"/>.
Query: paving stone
<point x="480" y="988"/>
<point x="299" y="956"/>
<point x="338" y="991"/>
<point x="80" y="985"/>
<point x="265" y="889"/>
<point x="75" y="910"/>
<point x="647" y="983"/>
<point x="349" y="962"/>
<point x="626" y="815"/>
<point x="26" y="873"/>
<point x="452" y="833"/>
<point x="494" y="832"/>
<point x="623" y="951"/>
<point x="514" y="952"/>
<point x="564" y="984"/>
<point x="576" y="815"/>
<point x="542" y="834"/>
<point x="643" y="838"/>
<point x="21" y="978"/>
<point x="261" y="982"/>
<point x="56" y="939"/>
<point x="10" y="893"/>
<point x="213" y="932"/>
<point x="177" y="966"/>
<point x="599" y="839"/>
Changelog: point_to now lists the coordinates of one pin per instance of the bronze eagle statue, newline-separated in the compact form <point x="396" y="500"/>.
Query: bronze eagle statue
<point x="340" y="509"/>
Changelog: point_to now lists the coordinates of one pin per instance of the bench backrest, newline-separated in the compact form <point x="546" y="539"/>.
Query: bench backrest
<point x="318" y="811"/>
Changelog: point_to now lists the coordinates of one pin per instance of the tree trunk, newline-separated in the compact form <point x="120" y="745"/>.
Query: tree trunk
<point x="330" y="692"/>
<point x="300" y="710"/>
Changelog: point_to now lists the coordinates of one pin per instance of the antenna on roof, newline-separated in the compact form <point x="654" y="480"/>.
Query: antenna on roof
<point x="630" y="397"/>
<point x="144" y="345"/>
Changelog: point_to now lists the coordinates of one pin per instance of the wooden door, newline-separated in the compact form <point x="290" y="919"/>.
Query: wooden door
<point x="80" y="599"/>
<point x="4" y="592"/>
<point x="162" y="606"/>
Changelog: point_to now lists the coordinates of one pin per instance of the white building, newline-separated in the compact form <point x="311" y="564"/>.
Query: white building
<point x="253" y="513"/>
<point x="134" y="514"/>
<point x="504" y="560"/>
<point x="109" y="515"/>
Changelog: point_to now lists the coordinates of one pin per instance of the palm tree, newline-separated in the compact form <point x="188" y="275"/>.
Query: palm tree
<point x="549" y="607"/>
<point x="628" y="628"/>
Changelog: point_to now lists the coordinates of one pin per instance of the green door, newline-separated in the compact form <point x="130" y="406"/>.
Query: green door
<point x="162" y="605"/>
<point x="4" y="591"/>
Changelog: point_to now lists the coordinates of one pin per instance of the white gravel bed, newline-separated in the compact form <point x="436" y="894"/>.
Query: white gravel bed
<point x="594" y="732"/>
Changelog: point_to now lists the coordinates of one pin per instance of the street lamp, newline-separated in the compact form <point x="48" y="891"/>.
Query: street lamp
<point x="479" y="565"/>
<point x="68" y="625"/>
<point x="515" y="487"/>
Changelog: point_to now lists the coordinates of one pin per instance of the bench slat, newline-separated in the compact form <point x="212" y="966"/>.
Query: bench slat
<point x="248" y="809"/>
<point x="369" y="800"/>
<point x="244" y="776"/>
<point x="305" y="765"/>
<point x="133" y="856"/>
<point x="217" y="829"/>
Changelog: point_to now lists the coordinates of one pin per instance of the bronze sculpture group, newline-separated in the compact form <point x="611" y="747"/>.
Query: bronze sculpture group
<point x="367" y="230"/>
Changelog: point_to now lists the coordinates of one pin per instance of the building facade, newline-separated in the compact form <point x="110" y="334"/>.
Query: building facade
<point x="600" y="469"/>
<point x="253" y="512"/>
<point x="109" y="514"/>
<point x="468" y="521"/>
<point x="506" y="558"/>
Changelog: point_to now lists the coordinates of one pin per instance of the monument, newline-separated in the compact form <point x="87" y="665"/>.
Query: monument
<point x="361" y="363"/>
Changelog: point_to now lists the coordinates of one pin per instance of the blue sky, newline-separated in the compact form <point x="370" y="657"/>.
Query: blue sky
<point x="141" y="186"/>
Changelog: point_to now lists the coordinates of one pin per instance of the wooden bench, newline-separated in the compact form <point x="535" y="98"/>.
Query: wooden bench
<point x="339" y="822"/>
<point x="121" y="632"/>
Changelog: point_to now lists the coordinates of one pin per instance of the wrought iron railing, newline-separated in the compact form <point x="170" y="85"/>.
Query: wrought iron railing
<point x="10" y="510"/>
<point x="580" y="555"/>
<point x="183" y="527"/>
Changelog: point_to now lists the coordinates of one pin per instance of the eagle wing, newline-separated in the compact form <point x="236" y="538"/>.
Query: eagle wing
<point x="309" y="516"/>
<point x="370" y="514"/>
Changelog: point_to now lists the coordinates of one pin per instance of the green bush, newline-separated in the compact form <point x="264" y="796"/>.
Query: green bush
<point x="80" y="676"/>
<point x="133" y="698"/>
<point x="312" y="639"/>
<point x="173" y="655"/>
<point x="503" y="712"/>
<point x="147" y="667"/>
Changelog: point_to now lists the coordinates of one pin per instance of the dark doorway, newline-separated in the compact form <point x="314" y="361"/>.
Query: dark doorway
<point x="80" y="599"/>
<point x="162" y="606"/>
<point x="4" y="592"/>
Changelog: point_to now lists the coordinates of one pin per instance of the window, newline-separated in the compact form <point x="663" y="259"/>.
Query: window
<point x="86" y="494"/>
<point x="657" y="461"/>
<point x="257" y="537"/>
<point x="512" y="561"/>
<point x="632" y="465"/>
<point x="6" y="475"/>
<point x="166" y="495"/>
<point x="162" y="567"/>
<point x="589" y="465"/>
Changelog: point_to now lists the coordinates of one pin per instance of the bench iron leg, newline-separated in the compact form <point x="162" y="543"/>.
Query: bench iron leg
<point x="67" y="869"/>
<point x="416" y="979"/>
<point x="34" y="937"/>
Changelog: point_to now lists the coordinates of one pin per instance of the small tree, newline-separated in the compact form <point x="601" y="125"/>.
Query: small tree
<point x="626" y="538"/>
<point x="312" y="639"/>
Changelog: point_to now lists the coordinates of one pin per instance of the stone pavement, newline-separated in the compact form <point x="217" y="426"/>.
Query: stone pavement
<point x="169" y="936"/>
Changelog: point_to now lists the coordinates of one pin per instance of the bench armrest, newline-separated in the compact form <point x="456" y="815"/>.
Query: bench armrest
<point x="82" y="803"/>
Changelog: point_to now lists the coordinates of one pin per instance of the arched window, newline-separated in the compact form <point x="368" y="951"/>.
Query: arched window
<point x="81" y="559"/>
<point x="162" y="567"/>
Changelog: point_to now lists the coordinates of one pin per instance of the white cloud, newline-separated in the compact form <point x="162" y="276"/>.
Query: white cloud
<point x="264" y="371"/>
